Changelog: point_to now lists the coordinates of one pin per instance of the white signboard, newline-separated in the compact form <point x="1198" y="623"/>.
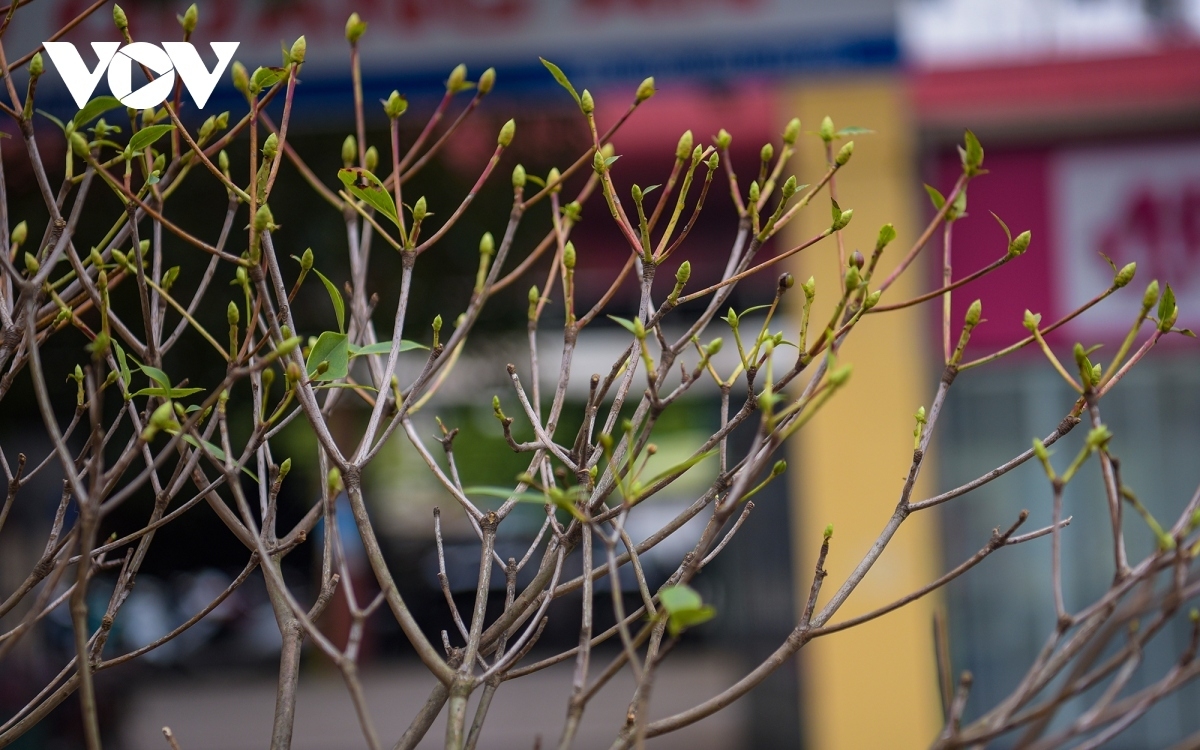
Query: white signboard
<point x="1132" y="203"/>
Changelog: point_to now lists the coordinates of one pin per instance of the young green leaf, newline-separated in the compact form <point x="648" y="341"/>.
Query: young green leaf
<point x="561" y="78"/>
<point x="216" y="452"/>
<point x="339" y="305"/>
<point x="147" y="136"/>
<point x="94" y="109"/>
<point x="384" y="347"/>
<point x="936" y="196"/>
<point x="333" y="348"/>
<point x="374" y="194"/>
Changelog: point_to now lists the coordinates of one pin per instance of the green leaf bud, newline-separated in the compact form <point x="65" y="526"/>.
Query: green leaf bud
<point x="306" y="260"/>
<point x="887" y="233"/>
<point x="395" y="105"/>
<point x="371" y="158"/>
<point x="189" y="18"/>
<point x="754" y="192"/>
<point x="487" y="244"/>
<point x="299" y="50"/>
<point x="1040" y="451"/>
<point x="786" y="281"/>
<point x="1098" y="436"/>
<point x="333" y="482"/>
<point x="419" y="209"/>
<point x="569" y="256"/>
<point x="645" y="90"/>
<point x="1019" y="244"/>
<point x="20" y="233"/>
<point x="36" y="65"/>
<point x="293" y="372"/>
<point x="206" y="129"/>
<point x="458" y="79"/>
<point x="779" y="467"/>
<point x="586" y="102"/>
<point x="554" y="180"/>
<point x="231" y="313"/>
<point x="270" y="146"/>
<point x="809" y="287"/>
<point x="844" y="154"/>
<point x="241" y="78"/>
<point x="263" y="220"/>
<point x="31" y="264"/>
<point x="349" y="151"/>
<point x="767" y="152"/>
<point x="170" y="277"/>
<point x="683" y="273"/>
<point x="636" y="192"/>
<point x="731" y="318"/>
<point x="792" y="131"/>
<point x="518" y="176"/>
<point x="724" y="139"/>
<point x="789" y="187"/>
<point x="973" y="313"/>
<point x="714" y="161"/>
<point x="79" y="145"/>
<point x="714" y="347"/>
<point x="119" y="18"/>
<point x="487" y="81"/>
<point x="684" y="147"/>
<point x="534" y="296"/>
<point x="1125" y="275"/>
<point x="1032" y="321"/>
<point x="826" y="130"/>
<point x="223" y="120"/>
<point x="1150" y="297"/>
<point x="507" y="131"/>
<point x="872" y="299"/>
<point x="223" y="161"/>
<point x="840" y="376"/>
<point x="355" y="28"/>
<point x="852" y="279"/>
<point x="843" y="220"/>
<point x="286" y="466"/>
<point x="573" y="211"/>
<point x="1168" y="312"/>
<point x="828" y="533"/>
<point x="268" y="377"/>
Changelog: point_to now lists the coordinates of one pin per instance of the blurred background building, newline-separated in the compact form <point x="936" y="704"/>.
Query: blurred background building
<point x="1090" y="114"/>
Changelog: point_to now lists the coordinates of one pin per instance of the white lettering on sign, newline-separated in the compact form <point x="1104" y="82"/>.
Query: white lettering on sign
<point x="1134" y="204"/>
<point x="164" y="62"/>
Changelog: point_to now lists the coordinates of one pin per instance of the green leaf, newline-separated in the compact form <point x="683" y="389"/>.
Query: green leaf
<point x="352" y="386"/>
<point x="1008" y="235"/>
<point x="853" y="130"/>
<point x="374" y="194"/>
<point x="685" y="465"/>
<point x="611" y="160"/>
<point x="504" y="493"/>
<point x="147" y="136"/>
<point x="95" y="108"/>
<point x="973" y="154"/>
<point x="171" y="393"/>
<point x="216" y="452"/>
<point x="681" y="598"/>
<point x="561" y="78"/>
<point x="384" y="347"/>
<point x="265" y="78"/>
<point x="61" y="125"/>
<point x="333" y="348"/>
<point x="339" y="305"/>
<point x="684" y="608"/>
<point x="1166" y="303"/>
<point x="624" y="323"/>
<point x="157" y="375"/>
<point x="936" y="196"/>
<point x="650" y="189"/>
<point x="126" y="375"/>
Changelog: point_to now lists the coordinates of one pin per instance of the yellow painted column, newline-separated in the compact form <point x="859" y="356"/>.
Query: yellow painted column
<point x="873" y="686"/>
